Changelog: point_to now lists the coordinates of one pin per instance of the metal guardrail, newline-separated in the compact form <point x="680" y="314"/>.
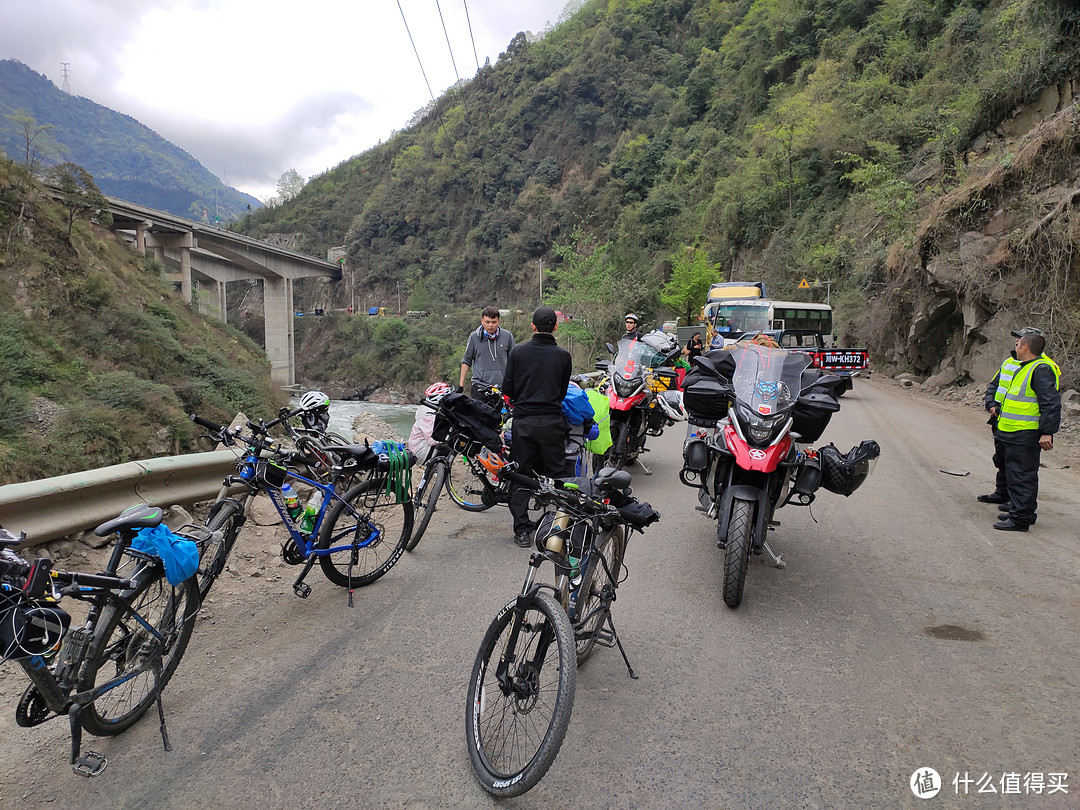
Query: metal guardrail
<point x="56" y="507"/>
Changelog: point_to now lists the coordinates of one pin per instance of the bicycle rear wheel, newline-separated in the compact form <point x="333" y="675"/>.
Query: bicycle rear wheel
<point x="426" y="498"/>
<point x="122" y="646"/>
<point x="226" y="517"/>
<point x="369" y="532"/>
<point x="587" y="610"/>
<point x="463" y="487"/>
<point x="514" y="731"/>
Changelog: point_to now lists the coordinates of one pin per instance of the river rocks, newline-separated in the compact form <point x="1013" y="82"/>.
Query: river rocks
<point x="370" y="427"/>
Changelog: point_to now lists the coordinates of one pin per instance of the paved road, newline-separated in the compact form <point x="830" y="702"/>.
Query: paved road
<point x="826" y="689"/>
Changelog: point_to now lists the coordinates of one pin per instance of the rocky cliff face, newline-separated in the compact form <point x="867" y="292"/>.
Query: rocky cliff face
<point x="999" y="252"/>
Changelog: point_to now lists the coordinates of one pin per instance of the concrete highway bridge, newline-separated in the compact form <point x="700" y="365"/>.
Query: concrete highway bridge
<point x="206" y="258"/>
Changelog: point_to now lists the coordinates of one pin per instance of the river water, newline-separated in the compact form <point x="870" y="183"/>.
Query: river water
<point x="342" y="413"/>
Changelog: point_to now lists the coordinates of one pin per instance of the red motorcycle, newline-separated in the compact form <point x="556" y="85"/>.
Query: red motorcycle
<point x="753" y="409"/>
<point x="640" y="388"/>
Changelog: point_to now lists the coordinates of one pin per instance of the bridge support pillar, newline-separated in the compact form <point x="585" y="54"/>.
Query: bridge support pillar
<point x="140" y="235"/>
<point x="278" y="314"/>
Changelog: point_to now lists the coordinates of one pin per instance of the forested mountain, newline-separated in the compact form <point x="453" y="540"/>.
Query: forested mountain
<point x="127" y="159"/>
<point x="888" y="146"/>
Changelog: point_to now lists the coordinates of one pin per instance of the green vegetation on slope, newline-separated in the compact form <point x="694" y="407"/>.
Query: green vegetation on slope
<point x="100" y="361"/>
<point x="778" y="138"/>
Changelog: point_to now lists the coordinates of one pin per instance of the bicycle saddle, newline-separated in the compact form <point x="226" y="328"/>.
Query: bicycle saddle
<point x="142" y="516"/>
<point x="610" y="478"/>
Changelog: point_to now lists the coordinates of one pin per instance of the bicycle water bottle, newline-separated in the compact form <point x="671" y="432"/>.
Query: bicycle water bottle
<point x="311" y="511"/>
<point x="292" y="501"/>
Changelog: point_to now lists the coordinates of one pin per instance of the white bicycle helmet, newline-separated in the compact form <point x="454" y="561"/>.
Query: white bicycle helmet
<point x="314" y="400"/>
<point x="316" y="415"/>
<point x="436" y="391"/>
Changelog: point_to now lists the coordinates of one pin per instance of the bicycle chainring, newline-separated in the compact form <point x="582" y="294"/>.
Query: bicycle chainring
<point x="32" y="709"/>
<point x="291" y="554"/>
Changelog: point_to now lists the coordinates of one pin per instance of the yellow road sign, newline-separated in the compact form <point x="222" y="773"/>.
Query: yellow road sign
<point x="803" y="285"/>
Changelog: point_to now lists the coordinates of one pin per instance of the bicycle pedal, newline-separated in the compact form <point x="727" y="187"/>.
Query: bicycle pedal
<point x="302" y="589"/>
<point x="90" y="764"/>
<point x="605" y="638"/>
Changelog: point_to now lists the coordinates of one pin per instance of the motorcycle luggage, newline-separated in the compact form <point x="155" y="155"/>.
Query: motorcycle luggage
<point x="663" y="379"/>
<point x="811" y="414"/>
<point x="706" y="398"/>
<point x="695" y="455"/>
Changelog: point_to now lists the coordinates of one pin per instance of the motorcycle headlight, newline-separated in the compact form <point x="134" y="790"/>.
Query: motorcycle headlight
<point x="624" y="387"/>
<point x="761" y="429"/>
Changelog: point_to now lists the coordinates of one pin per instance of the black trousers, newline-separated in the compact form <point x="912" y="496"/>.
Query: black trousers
<point x="1001" y="486"/>
<point x="538" y="446"/>
<point x="1021" y="463"/>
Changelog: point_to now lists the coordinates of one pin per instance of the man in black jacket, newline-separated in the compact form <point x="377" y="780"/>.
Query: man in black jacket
<point x="537" y="375"/>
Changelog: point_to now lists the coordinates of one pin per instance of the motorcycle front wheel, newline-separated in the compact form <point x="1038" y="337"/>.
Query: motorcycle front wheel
<point x="737" y="551"/>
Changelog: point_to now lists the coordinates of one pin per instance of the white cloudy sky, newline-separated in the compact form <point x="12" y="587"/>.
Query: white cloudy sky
<point x="252" y="88"/>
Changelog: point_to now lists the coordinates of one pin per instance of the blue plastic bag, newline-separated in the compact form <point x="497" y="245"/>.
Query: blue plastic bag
<point x="179" y="556"/>
<point x="575" y="405"/>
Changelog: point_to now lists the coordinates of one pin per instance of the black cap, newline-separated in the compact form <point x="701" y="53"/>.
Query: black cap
<point x="544" y="317"/>
<point x="1027" y="330"/>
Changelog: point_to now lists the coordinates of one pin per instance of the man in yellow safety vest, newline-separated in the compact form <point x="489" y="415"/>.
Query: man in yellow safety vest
<point x="1026" y="404"/>
<point x="994" y="394"/>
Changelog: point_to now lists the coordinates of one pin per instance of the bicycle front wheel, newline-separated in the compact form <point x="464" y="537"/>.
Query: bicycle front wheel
<point x="123" y="647"/>
<point x="519" y="706"/>
<point x="226" y="517"/>
<point x="426" y="497"/>
<point x="364" y="534"/>
<point x="463" y="487"/>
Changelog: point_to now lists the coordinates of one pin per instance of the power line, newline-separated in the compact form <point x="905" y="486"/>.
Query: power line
<point x="411" y="40"/>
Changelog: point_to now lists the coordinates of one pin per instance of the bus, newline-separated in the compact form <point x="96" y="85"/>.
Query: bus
<point x="734" y="317"/>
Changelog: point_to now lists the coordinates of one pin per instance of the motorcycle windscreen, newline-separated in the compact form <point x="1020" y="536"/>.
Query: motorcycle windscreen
<point x="767" y="380"/>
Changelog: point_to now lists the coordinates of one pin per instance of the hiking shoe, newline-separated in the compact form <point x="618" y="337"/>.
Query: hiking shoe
<point x="993" y="497"/>
<point x="1007" y="525"/>
<point x="1005" y="507"/>
<point x="522" y="540"/>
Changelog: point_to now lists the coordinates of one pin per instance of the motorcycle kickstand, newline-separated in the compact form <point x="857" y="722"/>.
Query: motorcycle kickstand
<point x="777" y="558"/>
<point x="622" y="652"/>
<point x="641" y="464"/>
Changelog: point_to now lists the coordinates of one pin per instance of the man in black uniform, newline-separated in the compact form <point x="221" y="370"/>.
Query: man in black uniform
<point x="537" y="374"/>
<point x="631" y="328"/>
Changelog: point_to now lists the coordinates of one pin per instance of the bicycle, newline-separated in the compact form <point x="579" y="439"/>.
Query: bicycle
<point x="356" y="537"/>
<point x="465" y="435"/>
<point x="468" y="483"/>
<point x="105" y="674"/>
<point x="523" y="682"/>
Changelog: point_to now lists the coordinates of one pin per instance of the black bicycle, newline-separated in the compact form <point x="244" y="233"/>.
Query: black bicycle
<point x="461" y="462"/>
<point x="107" y="672"/>
<point x="521" y="690"/>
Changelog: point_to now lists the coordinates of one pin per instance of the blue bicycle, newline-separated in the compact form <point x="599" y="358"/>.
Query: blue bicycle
<point x="356" y="537"/>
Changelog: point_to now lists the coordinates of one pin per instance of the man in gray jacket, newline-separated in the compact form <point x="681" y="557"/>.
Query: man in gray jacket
<point x="486" y="353"/>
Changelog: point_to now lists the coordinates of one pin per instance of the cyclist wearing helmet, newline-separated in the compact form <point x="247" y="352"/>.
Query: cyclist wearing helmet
<point x="316" y="415"/>
<point x="486" y="353"/>
<point x="420" y="439"/>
